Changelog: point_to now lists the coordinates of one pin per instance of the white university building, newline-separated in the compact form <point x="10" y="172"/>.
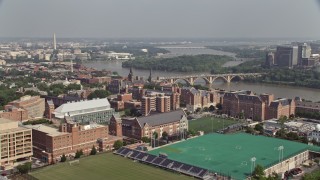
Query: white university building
<point x="86" y="111"/>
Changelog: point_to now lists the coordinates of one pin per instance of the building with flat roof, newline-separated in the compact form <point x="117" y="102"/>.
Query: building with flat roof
<point x="49" y="144"/>
<point x="34" y="105"/>
<point x="86" y="111"/>
<point x="15" y="114"/>
<point x="15" y="143"/>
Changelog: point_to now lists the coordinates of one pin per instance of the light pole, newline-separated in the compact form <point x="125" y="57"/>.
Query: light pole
<point x="280" y="149"/>
<point x="212" y="123"/>
<point x="253" y="164"/>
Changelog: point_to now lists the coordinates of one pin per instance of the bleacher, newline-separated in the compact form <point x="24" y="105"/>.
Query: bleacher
<point x="163" y="162"/>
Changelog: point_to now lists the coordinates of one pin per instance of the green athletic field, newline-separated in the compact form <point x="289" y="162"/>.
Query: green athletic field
<point x="104" y="166"/>
<point x="210" y="124"/>
<point x="230" y="154"/>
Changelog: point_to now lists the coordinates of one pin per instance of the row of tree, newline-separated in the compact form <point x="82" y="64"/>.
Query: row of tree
<point x="198" y="63"/>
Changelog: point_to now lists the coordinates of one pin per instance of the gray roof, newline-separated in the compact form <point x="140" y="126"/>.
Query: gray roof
<point x="161" y="118"/>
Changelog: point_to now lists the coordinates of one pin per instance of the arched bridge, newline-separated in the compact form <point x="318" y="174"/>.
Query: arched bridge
<point x="208" y="78"/>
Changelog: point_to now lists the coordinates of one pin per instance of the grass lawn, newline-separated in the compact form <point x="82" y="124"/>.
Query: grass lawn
<point x="206" y="123"/>
<point x="104" y="166"/>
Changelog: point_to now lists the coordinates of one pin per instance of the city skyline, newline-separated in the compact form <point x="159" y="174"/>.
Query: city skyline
<point x="165" y="19"/>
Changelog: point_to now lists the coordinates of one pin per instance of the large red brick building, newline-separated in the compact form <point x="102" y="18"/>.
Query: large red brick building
<point x="194" y="98"/>
<point x="15" y="114"/>
<point x="34" y="105"/>
<point x="49" y="144"/>
<point x="173" y="122"/>
<point x="246" y="104"/>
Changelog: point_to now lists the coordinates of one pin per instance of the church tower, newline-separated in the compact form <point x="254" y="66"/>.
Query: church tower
<point x="130" y="75"/>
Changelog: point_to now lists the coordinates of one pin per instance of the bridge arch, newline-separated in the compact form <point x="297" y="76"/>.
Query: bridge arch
<point x="237" y="76"/>
<point x="204" y="78"/>
<point x="175" y="81"/>
<point x="220" y="77"/>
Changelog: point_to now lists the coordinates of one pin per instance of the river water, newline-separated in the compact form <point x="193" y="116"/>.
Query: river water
<point x="277" y="90"/>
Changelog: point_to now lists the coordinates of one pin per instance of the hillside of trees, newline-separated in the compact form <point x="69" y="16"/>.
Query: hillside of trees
<point x="242" y="51"/>
<point x="199" y="63"/>
<point x="295" y="77"/>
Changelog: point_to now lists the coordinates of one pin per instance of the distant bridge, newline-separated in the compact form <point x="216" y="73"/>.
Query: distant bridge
<point x="182" y="47"/>
<point x="208" y="78"/>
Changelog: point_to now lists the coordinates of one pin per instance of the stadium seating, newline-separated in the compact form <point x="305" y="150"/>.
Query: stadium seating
<point x="166" y="162"/>
<point x="176" y="165"/>
<point x="203" y="173"/>
<point x="134" y="154"/>
<point x="195" y="170"/>
<point x="163" y="162"/>
<point x="185" y="167"/>
<point x="157" y="161"/>
<point x="150" y="158"/>
<point x="140" y="156"/>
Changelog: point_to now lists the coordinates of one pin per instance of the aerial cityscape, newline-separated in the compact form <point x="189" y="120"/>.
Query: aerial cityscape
<point x="213" y="90"/>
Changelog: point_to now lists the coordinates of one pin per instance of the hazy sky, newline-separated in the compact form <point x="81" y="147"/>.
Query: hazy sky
<point x="160" y="18"/>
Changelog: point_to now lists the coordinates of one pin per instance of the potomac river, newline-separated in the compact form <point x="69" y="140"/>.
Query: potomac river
<point x="277" y="90"/>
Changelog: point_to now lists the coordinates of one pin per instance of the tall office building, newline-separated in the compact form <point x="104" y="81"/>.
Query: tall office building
<point x="148" y="104"/>
<point x="287" y="56"/>
<point x="163" y="104"/>
<point x="15" y="143"/>
<point x="304" y="53"/>
<point x="54" y="41"/>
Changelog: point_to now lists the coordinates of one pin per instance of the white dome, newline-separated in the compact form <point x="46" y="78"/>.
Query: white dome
<point x="318" y="127"/>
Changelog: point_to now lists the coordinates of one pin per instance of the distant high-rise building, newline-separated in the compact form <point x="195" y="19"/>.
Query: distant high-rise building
<point x="130" y="75"/>
<point x="287" y="56"/>
<point x="269" y="59"/>
<point x="304" y="53"/>
<point x="150" y="76"/>
<point x="54" y="41"/>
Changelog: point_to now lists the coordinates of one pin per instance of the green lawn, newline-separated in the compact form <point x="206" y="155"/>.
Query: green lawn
<point x="206" y="124"/>
<point x="104" y="166"/>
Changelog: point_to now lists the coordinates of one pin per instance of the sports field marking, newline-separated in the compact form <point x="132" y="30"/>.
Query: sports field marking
<point x="170" y="149"/>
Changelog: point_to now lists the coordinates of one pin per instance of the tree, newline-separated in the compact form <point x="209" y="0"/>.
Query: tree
<point x="304" y="139"/>
<point x="63" y="158"/>
<point x="282" y="120"/>
<point x="78" y="155"/>
<point x="258" y="171"/>
<point x="24" y="168"/>
<point x="191" y="132"/>
<point x="118" y="144"/>
<point x="212" y="108"/>
<point x="127" y="112"/>
<point x="241" y="115"/>
<point x="314" y="142"/>
<point x="249" y="130"/>
<point x="205" y="109"/>
<point x="292" y="136"/>
<point x="155" y="135"/>
<point x="31" y="93"/>
<point x="219" y="106"/>
<point x="73" y="87"/>
<point x="165" y="135"/>
<point x="259" y="128"/>
<point x="145" y="139"/>
<point x="93" y="151"/>
<point x="99" y="94"/>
